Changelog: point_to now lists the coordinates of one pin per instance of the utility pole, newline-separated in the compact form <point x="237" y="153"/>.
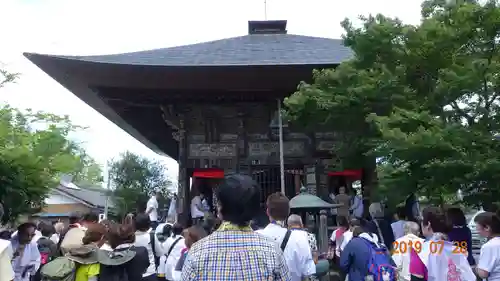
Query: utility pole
<point x="108" y="190"/>
<point x="282" y="159"/>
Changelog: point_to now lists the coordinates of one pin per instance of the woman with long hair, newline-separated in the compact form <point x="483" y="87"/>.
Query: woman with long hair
<point x="438" y="259"/>
<point x="488" y="226"/>
<point x="460" y="233"/>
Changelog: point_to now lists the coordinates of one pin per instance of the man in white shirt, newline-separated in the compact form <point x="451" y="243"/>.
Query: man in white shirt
<point x="297" y="252"/>
<point x="6" y="271"/>
<point x="488" y="264"/>
<point x="402" y="246"/>
<point x="145" y="237"/>
<point x="173" y="251"/>
<point x="197" y="213"/>
<point x="152" y="209"/>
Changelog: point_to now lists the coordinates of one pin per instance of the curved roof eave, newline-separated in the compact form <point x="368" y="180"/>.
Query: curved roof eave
<point x="82" y="74"/>
<point x="86" y="94"/>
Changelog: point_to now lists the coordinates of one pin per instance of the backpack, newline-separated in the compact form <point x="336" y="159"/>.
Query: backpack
<point x="380" y="267"/>
<point x="114" y="265"/>
<point x="43" y="245"/>
<point x="114" y="273"/>
<point x="60" y="269"/>
<point x="44" y="249"/>
<point x="152" y="242"/>
<point x="64" y="268"/>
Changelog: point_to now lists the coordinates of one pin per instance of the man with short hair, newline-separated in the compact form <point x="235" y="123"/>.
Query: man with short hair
<point x="402" y="247"/>
<point x="143" y="238"/>
<point x="234" y="251"/>
<point x="152" y="209"/>
<point x="295" y="223"/>
<point x="26" y="257"/>
<point x="295" y="245"/>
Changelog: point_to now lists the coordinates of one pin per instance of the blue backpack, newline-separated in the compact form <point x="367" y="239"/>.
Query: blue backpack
<point x="380" y="264"/>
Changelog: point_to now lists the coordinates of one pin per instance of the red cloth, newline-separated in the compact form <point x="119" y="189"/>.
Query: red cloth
<point x="208" y="173"/>
<point x="353" y="174"/>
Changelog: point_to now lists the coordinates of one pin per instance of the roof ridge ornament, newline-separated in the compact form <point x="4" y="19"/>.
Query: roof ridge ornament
<point x="267" y="27"/>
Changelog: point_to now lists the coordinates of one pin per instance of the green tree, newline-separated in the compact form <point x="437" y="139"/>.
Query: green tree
<point x="134" y="179"/>
<point x="35" y="150"/>
<point x="423" y="99"/>
<point x="88" y="171"/>
<point x="448" y="142"/>
<point x="342" y="99"/>
<point x="7" y="77"/>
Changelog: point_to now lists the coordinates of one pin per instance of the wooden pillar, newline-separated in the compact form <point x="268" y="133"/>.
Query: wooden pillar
<point x="183" y="180"/>
<point x="297" y="183"/>
<point x="323" y="237"/>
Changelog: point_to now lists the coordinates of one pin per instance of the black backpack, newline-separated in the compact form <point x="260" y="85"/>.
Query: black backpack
<point x="114" y="273"/>
<point x="124" y="271"/>
<point x="152" y="237"/>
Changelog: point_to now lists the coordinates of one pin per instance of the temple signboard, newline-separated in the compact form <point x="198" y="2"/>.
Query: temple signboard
<point x="212" y="150"/>
<point x="325" y="146"/>
<point x="290" y="149"/>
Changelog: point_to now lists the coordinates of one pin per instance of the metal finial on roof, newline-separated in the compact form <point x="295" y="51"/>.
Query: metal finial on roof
<point x="303" y="189"/>
<point x="265" y="9"/>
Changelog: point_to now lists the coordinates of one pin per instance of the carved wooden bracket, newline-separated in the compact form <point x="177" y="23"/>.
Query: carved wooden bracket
<point x="174" y="118"/>
<point x="170" y="116"/>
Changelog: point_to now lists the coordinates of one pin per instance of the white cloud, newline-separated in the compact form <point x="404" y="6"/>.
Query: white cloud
<point x="78" y="27"/>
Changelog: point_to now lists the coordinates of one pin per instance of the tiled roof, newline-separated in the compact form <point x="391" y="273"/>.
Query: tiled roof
<point x="51" y="215"/>
<point x="92" y="196"/>
<point x="255" y="49"/>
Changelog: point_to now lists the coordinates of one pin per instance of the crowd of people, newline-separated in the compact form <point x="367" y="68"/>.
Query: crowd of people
<point x="436" y="246"/>
<point x="231" y="246"/>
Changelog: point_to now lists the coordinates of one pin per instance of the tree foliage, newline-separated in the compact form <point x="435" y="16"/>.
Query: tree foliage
<point x="134" y="179"/>
<point x="7" y="77"/>
<point x="35" y="150"/>
<point x="422" y="99"/>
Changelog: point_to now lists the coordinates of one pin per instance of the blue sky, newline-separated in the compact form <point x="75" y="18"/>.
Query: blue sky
<point x="77" y="27"/>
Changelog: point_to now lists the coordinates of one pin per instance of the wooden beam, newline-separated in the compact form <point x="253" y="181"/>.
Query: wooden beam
<point x="172" y="96"/>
